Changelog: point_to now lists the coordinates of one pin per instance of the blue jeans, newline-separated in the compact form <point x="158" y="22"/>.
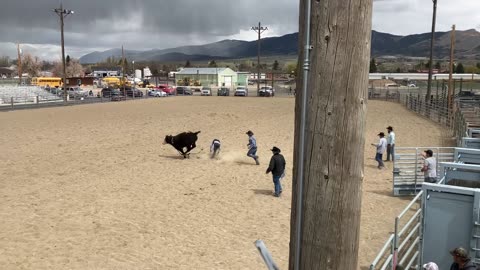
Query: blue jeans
<point x="391" y="152"/>
<point x="378" y="158"/>
<point x="276" y="183"/>
<point x="252" y="152"/>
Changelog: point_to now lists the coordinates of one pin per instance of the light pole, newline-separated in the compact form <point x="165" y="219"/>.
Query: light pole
<point x="259" y="30"/>
<point x="430" y="68"/>
<point x="62" y="13"/>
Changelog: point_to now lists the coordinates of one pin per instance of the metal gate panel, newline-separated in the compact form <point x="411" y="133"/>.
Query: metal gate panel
<point x="448" y="217"/>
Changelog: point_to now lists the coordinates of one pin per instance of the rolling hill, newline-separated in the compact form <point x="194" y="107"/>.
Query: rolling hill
<point x="383" y="44"/>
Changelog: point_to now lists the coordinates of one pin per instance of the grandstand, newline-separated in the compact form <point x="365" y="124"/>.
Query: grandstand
<point x="25" y="94"/>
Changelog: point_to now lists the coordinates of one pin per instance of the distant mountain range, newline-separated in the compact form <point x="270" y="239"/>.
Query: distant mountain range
<point x="383" y="44"/>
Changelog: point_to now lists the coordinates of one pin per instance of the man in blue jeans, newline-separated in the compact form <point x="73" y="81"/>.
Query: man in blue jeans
<point x="277" y="167"/>
<point x="381" y="147"/>
<point x="252" y="147"/>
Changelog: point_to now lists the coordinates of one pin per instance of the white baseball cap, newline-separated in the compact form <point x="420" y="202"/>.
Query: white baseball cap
<point x="430" y="266"/>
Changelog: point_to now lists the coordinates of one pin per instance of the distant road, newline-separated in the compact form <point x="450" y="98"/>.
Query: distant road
<point x="420" y="76"/>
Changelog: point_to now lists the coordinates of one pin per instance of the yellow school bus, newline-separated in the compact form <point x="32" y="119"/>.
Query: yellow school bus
<point x="47" y="81"/>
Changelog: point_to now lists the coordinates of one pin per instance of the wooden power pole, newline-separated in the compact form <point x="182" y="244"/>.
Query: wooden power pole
<point x="450" y="75"/>
<point x="19" y="64"/>
<point x="325" y="235"/>
<point x="259" y="30"/>
<point x="432" y="42"/>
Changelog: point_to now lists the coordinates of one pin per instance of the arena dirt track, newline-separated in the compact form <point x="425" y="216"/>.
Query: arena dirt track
<point x="92" y="187"/>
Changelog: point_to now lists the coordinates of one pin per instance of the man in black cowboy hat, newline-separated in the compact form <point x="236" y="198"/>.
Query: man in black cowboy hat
<point x="277" y="167"/>
<point x="461" y="260"/>
<point x="252" y="147"/>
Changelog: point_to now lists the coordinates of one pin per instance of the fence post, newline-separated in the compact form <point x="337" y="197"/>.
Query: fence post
<point x="11" y="101"/>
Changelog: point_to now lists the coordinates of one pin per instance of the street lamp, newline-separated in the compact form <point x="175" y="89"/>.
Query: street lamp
<point x="62" y="13"/>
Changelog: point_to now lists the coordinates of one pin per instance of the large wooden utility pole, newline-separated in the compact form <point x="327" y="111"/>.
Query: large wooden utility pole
<point x="450" y="75"/>
<point x="330" y="112"/>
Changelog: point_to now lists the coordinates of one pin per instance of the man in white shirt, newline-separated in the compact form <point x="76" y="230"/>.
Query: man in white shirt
<point x="390" y="144"/>
<point x="429" y="167"/>
<point x="381" y="147"/>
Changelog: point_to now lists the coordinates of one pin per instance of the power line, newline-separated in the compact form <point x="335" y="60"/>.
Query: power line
<point x="259" y="30"/>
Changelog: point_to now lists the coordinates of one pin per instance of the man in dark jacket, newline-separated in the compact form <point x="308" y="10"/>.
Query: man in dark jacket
<point x="277" y="167"/>
<point x="461" y="260"/>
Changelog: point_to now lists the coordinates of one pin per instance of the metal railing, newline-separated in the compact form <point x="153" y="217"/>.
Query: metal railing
<point x="404" y="245"/>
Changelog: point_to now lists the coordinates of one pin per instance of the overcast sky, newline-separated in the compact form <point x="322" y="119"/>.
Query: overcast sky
<point x="149" y="24"/>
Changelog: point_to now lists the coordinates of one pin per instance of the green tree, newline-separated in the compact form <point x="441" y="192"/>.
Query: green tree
<point x="67" y="59"/>
<point x="478" y="65"/>
<point x="275" y="65"/>
<point x="373" y="66"/>
<point x="292" y="69"/>
<point x="212" y="63"/>
<point x="438" y="65"/>
<point x="187" y="64"/>
<point x="4" y="61"/>
<point x="398" y="70"/>
<point x="427" y="65"/>
<point x="460" y="69"/>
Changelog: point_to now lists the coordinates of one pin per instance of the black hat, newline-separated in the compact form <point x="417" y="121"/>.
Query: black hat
<point x="389" y="128"/>
<point x="381" y="134"/>
<point x="249" y="132"/>
<point x="276" y="149"/>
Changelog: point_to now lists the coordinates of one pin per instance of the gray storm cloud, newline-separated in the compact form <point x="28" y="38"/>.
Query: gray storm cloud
<point x="148" y="24"/>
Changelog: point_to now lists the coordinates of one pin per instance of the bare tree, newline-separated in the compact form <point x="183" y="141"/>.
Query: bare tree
<point x="31" y="65"/>
<point x="74" y="68"/>
<point x="334" y="135"/>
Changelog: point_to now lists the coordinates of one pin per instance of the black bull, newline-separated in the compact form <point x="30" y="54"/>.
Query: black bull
<point x="182" y="141"/>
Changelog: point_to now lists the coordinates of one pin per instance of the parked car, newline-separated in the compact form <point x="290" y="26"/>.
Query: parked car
<point x="158" y="93"/>
<point x="130" y="92"/>
<point x="106" y="92"/>
<point x="266" y="91"/>
<point x="170" y="90"/>
<point x="183" y="90"/>
<point x="223" y="91"/>
<point x="206" y="91"/>
<point x="117" y="95"/>
<point x="241" y="91"/>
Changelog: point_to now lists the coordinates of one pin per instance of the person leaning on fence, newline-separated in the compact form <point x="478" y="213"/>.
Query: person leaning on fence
<point x="429" y="168"/>
<point x="390" y="144"/>
<point x="381" y="146"/>
<point x="461" y="260"/>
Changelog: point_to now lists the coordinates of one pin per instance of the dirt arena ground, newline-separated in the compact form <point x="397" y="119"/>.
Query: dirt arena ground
<point x="92" y="186"/>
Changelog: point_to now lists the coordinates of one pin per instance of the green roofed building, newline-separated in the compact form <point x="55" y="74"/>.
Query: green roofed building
<point x="207" y="77"/>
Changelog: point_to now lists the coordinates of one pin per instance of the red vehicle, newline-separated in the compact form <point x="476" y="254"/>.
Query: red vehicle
<point x="170" y="90"/>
